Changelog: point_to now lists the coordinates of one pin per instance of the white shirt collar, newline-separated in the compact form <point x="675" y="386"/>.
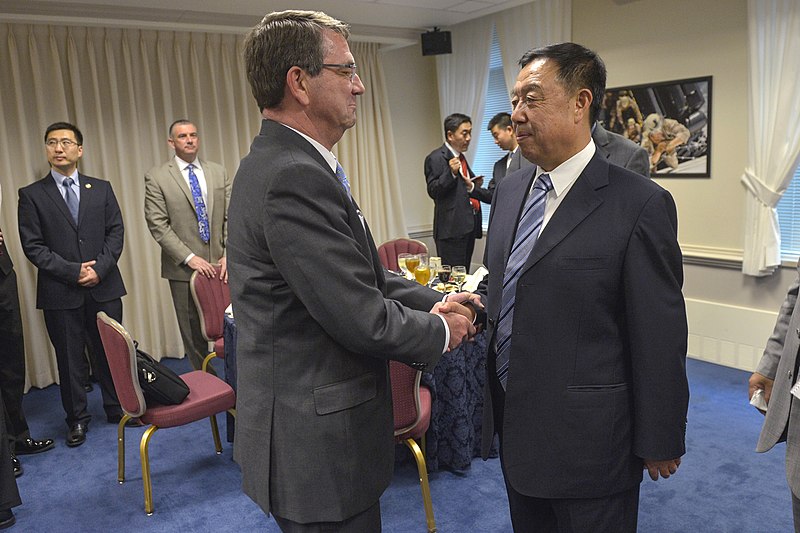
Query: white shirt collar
<point x="452" y="150"/>
<point x="324" y="152"/>
<point x="565" y="174"/>
<point x="183" y="164"/>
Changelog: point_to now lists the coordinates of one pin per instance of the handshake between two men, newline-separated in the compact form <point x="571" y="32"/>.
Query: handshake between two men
<point x="460" y="311"/>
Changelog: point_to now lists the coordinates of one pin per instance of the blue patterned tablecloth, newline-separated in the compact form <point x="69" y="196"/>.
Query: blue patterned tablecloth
<point x="456" y="384"/>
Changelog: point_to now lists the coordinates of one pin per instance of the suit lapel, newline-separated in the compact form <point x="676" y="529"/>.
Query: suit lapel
<point x="580" y="201"/>
<point x="175" y="172"/>
<point x="51" y="189"/>
<point x="516" y="186"/>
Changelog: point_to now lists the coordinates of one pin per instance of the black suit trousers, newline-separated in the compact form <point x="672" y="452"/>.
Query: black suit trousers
<point x="456" y="251"/>
<point x="9" y="495"/>
<point x="71" y="331"/>
<point x="12" y="359"/>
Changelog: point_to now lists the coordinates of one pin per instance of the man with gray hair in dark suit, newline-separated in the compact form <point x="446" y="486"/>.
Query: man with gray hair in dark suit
<point x="317" y="316"/>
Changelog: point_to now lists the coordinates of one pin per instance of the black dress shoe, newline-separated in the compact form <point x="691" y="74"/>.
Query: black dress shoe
<point x="17" y="466"/>
<point x="6" y="518"/>
<point x="30" y="446"/>
<point x="77" y="435"/>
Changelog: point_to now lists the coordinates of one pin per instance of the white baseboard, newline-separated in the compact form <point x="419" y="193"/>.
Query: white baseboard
<point x="728" y="335"/>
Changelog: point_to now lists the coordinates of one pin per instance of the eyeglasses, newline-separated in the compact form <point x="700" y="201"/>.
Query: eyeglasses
<point x="345" y="69"/>
<point x="65" y="143"/>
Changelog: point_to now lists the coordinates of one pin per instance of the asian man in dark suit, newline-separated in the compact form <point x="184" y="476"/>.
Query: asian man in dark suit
<point x="317" y="316"/>
<point x="70" y="226"/>
<point x="621" y="151"/>
<point x="456" y="193"/>
<point x="502" y="130"/>
<point x="586" y="318"/>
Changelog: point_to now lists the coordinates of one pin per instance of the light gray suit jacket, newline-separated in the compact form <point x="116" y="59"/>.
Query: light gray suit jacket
<point x="169" y="210"/>
<point x="779" y="362"/>
<point x="621" y="151"/>
<point x="317" y="320"/>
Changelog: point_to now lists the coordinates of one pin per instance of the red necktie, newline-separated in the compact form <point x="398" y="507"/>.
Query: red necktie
<point x="476" y="205"/>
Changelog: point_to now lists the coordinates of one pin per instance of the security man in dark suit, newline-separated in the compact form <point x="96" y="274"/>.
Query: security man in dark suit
<point x="71" y="229"/>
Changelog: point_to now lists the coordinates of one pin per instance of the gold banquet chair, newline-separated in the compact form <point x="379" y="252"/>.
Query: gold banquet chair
<point x="411" y="404"/>
<point x="208" y="395"/>
<point x="211" y="296"/>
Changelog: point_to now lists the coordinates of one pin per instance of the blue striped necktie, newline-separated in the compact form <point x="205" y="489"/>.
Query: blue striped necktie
<point x="528" y="228"/>
<point x="342" y="177"/>
<point x="199" y="205"/>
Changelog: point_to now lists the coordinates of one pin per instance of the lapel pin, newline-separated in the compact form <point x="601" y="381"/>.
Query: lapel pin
<point x="88" y="185"/>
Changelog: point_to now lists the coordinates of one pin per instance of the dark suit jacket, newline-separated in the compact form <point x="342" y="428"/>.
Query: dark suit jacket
<point x="621" y="151"/>
<point x="317" y="323"/>
<point x="502" y="167"/>
<point x="453" y="217"/>
<point x="57" y="246"/>
<point x="8" y="293"/>
<point x="597" y="375"/>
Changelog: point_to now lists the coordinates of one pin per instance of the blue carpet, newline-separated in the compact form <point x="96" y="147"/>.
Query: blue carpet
<point x="722" y="485"/>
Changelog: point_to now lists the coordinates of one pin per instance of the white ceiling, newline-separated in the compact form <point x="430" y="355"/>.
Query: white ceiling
<point x="390" y="21"/>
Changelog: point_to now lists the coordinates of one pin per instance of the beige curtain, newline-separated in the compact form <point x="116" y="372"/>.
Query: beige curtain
<point x="367" y="150"/>
<point x="122" y="88"/>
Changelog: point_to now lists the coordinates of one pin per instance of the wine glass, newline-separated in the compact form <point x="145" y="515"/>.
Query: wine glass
<point x="422" y="272"/>
<point x="412" y="261"/>
<point x="443" y="273"/>
<point x="402" y="265"/>
<point x="459" y="276"/>
<point x="435" y="262"/>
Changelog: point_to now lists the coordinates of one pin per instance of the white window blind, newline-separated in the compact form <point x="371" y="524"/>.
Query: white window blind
<point x="789" y="220"/>
<point x="497" y="101"/>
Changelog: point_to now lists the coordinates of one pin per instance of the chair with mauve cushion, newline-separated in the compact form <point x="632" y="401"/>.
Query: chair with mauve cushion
<point x="388" y="251"/>
<point x="211" y="296"/>
<point x="411" y="403"/>
<point x="208" y="395"/>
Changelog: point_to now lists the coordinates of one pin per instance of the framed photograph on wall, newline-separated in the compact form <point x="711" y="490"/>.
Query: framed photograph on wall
<point x="671" y="120"/>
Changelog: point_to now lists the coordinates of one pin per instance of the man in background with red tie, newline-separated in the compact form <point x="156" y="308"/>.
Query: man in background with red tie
<point x="186" y="207"/>
<point x="456" y="193"/>
<point x="71" y="229"/>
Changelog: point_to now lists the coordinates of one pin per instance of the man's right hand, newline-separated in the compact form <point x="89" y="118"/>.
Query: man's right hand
<point x="760" y="381"/>
<point x="202" y="266"/>
<point x="461" y="328"/>
<point x="455" y="166"/>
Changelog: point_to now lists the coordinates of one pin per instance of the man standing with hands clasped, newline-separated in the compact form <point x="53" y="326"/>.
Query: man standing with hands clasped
<point x="586" y="320"/>
<point x="70" y="226"/>
<point x="186" y="207"/>
<point x="317" y="316"/>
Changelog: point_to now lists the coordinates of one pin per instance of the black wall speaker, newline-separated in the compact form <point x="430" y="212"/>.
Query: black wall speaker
<point x="436" y="42"/>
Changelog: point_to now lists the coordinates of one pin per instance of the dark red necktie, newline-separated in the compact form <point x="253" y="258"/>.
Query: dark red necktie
<point x="476" y="205"/>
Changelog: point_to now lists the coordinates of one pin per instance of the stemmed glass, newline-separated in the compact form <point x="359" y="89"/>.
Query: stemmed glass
<point x="459" y="276"/>
<point x="443" y="273"/>
<point x="422" y="272"/>
<point x="402" y="264"/>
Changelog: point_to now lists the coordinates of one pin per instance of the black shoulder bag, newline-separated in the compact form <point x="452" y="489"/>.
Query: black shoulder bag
<point x="158" y="382"/>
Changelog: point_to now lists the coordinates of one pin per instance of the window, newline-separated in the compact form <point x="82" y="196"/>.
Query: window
<point x="497" y="100"/>
<point x="789" y="220"/>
